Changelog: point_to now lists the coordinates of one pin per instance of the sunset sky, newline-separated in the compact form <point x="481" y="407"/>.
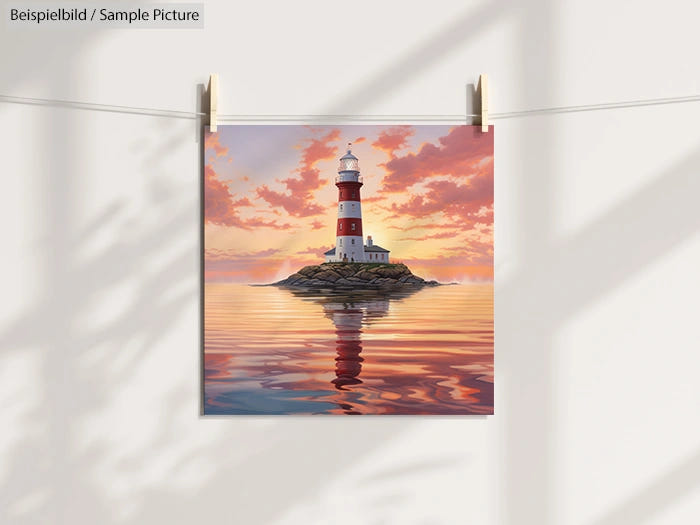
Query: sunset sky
<point x="271" y="202"/>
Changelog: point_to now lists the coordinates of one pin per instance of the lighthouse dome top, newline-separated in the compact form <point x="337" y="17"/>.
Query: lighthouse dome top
<point x="348" y="155"/>
<point x="349" y="162"/>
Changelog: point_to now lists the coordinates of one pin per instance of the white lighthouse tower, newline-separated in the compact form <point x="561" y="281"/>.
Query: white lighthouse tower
<point x="349" y="245"/>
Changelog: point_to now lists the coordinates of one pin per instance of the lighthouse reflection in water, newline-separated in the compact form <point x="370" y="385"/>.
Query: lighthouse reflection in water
<point x="279" y="351"/>
<point x="348" y="318"/>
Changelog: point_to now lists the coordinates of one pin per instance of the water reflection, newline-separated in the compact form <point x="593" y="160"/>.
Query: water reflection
<point x="347" y="319"/>
<point x="349" y="313"/>
<point x="280" y="351"/>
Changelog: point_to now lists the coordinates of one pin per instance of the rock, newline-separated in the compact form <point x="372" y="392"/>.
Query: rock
<point x="295" y="277"/>
<point x="327" y="276"/>
<point x="309" y="270"/>
<point x="355" y="276"/>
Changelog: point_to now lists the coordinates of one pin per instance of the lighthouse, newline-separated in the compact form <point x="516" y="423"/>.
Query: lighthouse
<point x="349" y="245"/>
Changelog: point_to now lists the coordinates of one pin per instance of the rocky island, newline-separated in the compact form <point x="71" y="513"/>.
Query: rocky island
<point x="355" y="276"/>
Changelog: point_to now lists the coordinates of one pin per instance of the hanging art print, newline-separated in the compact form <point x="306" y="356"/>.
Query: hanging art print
<point x="348" y="270"/>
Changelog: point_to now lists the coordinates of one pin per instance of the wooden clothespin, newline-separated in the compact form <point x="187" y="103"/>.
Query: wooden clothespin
<point x="483" y="89"/>
<point x="213" y="100"/>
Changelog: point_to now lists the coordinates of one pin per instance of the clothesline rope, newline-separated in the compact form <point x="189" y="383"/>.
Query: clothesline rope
<point x="89" y="106"/>
<point x="192" y="115"/>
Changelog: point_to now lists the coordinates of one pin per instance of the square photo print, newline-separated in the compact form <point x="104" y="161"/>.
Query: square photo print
<point x="348" y="270"/>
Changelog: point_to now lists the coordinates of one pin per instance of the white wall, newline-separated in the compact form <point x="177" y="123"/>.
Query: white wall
<point x="597" y="257"/>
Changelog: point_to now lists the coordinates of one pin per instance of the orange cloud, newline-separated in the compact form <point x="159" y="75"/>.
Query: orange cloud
<point x="298" y="200"/>
<point x="359" y="140"/>
<point x="392" y="139"/>
<point x="317" y="225"/>
<point x="211" y="142"/>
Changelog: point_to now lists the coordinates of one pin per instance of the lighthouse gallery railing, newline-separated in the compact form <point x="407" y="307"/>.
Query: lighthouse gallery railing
<point x="341" y="178"/>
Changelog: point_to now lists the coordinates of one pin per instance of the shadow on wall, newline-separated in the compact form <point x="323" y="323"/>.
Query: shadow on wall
<point x="81" y="459"/>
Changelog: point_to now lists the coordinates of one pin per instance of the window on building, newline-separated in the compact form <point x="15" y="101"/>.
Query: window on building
<point x="353" y="204"/>
<point x="353" y="241"/>
<point x="352" y="226"/>
<point x="341" y="226"/>
<point x="341" y="242"/>
<point x="353" y="194"/>
<point x="341" y="207"/>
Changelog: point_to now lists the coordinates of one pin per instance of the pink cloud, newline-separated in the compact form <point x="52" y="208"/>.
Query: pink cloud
<point x="295" y="205"/>
<point x="458" y="201"/>
<point x="218" y="201"/>
<point x="220" y="207"/>
<point x="392" y="139"/>
<point x="242" y="202"/>
<point x="464" y="152"/>
<point x="298" y="199"/>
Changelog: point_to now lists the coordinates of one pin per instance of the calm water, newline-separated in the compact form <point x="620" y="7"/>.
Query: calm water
<point x="276" y="351"/>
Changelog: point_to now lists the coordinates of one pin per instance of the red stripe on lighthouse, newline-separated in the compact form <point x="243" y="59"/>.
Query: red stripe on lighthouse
<point x="349" y="191"/>
<point x="345" y="227"/>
